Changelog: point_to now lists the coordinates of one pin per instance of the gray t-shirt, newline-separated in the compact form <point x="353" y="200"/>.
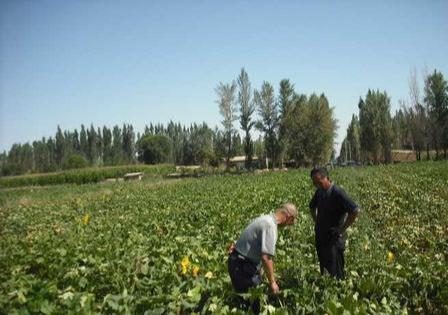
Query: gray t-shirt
<point x="258" y="238"/>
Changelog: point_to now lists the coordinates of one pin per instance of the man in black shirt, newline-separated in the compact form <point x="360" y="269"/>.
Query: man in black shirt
<point x="333" y="212"/>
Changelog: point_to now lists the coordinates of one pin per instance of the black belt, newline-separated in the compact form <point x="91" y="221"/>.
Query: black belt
<point x="238" y="255"/>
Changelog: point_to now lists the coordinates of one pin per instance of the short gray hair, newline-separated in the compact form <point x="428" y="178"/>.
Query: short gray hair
<point x="289" y="209"/>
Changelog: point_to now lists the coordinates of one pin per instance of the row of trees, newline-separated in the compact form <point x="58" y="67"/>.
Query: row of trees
<point x="193" y="145"/>
<point x="295" y="128"/>
<point x="421" y="124"/>
<point x="173" y="143"/>
<point x="71" y="149"/>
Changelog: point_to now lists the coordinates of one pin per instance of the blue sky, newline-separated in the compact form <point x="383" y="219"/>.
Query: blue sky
<point x="110" y="62"/>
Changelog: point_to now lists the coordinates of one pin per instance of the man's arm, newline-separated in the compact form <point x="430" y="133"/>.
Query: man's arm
<point x="313" y="214"/>
<point x="351" y="217"/>
<point x="313" y="207"/>
<point x="350" y="207"/>
<point x="268" y="265"/>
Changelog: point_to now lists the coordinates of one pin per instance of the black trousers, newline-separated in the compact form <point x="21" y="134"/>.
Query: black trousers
<point x="331" y="257"/>
<point x="244" y="274"/>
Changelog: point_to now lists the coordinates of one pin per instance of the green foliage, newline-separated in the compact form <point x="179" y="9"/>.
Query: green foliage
<point x="375" y="127"/>
<point x="228" y="111"/>
<point x="286" y="102"/>
<point x="154" y="149"/>
<point x="247" y="109"/>
<point x="74" y="161"/>
<point x="121" y="252"/>
<point x="436" y="99"/>
<point x="351" y="145"/>
<point x="269" y="120"/>
<point x="312" y="128"/>
<point x="82" y="176"/>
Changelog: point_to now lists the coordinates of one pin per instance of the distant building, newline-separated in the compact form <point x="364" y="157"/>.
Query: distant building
<point x="403" y="156"/>
<point x="397" y="156"/>
<point x="240" y="161"/>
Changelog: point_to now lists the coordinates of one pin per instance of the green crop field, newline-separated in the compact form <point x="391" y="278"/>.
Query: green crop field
<point x="160" y="247"/>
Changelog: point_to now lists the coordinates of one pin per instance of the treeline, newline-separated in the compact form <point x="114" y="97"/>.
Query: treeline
<point x="72" y="149"/>
<point x="421" y="123"/>
<point x="194" y="144"/>
<point x="294" y="128"/>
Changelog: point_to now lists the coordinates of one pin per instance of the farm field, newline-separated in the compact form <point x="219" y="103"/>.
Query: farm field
<point x="160" y="247"/>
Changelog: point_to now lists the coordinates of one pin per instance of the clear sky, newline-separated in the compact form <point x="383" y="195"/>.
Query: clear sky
<point x="108" y="62"/>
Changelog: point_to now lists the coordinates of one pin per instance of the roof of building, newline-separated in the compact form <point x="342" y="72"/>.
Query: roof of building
<point x="241" y="158"/>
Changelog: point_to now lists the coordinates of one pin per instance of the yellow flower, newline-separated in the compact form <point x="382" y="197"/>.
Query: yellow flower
<point x="195" y="271"/>
<point x="86" y="219"/>
<point x="185" y="262"/>
<point x="390" y="257"/>
<point x="209" y="275"/>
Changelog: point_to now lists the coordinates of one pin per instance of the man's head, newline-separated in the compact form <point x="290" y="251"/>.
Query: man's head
<point x="319" y="176"/>
<point x="286" y="214"/>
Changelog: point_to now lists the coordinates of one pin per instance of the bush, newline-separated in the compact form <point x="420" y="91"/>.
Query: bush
<point x="74" y="161"/>
<point x="154" y="149"/>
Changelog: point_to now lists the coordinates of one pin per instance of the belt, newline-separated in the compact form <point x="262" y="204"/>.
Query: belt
<point x="236" y="254"/>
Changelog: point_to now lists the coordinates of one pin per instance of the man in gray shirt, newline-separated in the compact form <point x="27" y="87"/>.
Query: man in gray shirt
<point x="256" y="247"/>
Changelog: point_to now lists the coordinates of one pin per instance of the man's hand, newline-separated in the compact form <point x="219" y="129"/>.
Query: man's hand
<point x="336" y="232"/>
<point x="274" y="288"/>
<point x="231" y="248"/>
<point x="268" y="265"/>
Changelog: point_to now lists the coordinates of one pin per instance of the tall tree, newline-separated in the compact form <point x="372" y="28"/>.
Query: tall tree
<point x="320" y="130"/>
<point x="99" y="146"/>
<point x="117" y="146"/>
<point x="267" y="109"/>
<point x="353" y="139"/>
<point x="69" y="144"/>
<point x="83" y="142"/>
<point x="60" y="147"/>
<point x="219" y="144"/>
<point x="311" y="128"/>
<point x="4" y="164"/>
<point x="237" y="145"/>
<point x="41" y="156"/>
<point x="128" y="143"/>
<point x="92" y="151"/>
<point x="107" y="146"/>
<point x="436" y="98"/>
<point x="247" y="109"/>
<point x="51" y="144"/>
<point x="76" y="143"/>
<point x="286" y="98"/>
<point x="401" y="132"/>
<point x="295" y="127"/>
<point x="227" y="108"/>
<point x="417" y="117"/>
<point x="376" y="126"/>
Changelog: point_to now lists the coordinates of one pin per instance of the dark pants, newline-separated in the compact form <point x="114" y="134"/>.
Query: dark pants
<point x="244" y="274"/>
<point x="331" y="257"/>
